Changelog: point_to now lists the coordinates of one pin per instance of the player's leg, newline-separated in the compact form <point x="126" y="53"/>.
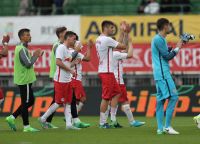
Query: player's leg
<point x="80" y="95"/>
<point x="116" y="93"/>
<point x="59" y="92"/>
<point x="106" y="96"/>
<point x="67" y="108"/>
<point x="197" y="120"/>
<point x="29" y="102"/>
<point x="11" y="119"/>
<point x="49" y="119"/>
<point x="171" y="106"/>
<point x="1" y="96"/>
<point x="159" y="107"/>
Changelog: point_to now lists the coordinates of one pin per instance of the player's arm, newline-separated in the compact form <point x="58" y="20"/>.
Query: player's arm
<point x="123" y="36"/>
<point x="5" y="41"/>
<point x="4" y="51"/>
<point x="162" y="48"/>
<point x="59" y="57"/>
<point x="88" y="52"/>
<point x="62" y="65"/>
<point x="25" y="60"/>
<point x="130" y="50"/>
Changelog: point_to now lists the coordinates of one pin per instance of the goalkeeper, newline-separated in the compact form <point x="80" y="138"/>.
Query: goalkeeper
<point x="165" y="86"/>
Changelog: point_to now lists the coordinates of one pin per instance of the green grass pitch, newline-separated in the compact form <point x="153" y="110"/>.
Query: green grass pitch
<point x="190" y="134"/>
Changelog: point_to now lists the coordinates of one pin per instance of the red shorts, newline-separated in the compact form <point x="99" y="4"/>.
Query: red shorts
<point x="1" y="94"/>
<point x="78" y="89"/>
<point x="123" y="97"/>
<point x="63" y="92"/>
<point x="110" y="88"/>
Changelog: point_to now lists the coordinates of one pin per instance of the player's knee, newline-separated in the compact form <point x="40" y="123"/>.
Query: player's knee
<point x="83" y="99"/>
<point x="126" y="107"/>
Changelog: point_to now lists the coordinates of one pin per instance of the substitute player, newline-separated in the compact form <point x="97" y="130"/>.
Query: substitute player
<point x="24" y="76"/>
<point x="165" y="86"/>
<point x="62" y="80"/>
<point x="110" y="89"/>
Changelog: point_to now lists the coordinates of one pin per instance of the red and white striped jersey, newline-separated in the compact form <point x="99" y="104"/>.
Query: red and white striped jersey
<point x="63" y="53"/>
<point x="104" y="47"/>
<point x="118" y="58"/>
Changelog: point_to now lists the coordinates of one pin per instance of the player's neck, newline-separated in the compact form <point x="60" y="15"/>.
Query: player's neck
<point x="162" y="33"/>
<point x="105" y="34"/>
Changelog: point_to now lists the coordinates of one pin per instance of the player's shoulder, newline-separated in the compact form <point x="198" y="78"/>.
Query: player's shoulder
<point x="157" y="38"/>
<point x="61" y="47"/>
<point x="103" y="38"/>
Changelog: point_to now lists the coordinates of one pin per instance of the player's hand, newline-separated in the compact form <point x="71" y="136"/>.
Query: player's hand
<point x="122" y="26"/>
<point x="76" y="61"/>
<point x="78" y="46"/>
<point x="38" y="53"/>
<point x="90" y="43"/>
<point x="128" y="28"/>
<point x="180" y="44"/>
<point x="5" y="39"/>
<point x="72" y="72"/>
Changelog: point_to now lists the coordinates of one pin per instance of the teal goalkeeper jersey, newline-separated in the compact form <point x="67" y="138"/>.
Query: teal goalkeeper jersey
<point x="160" y="58"/>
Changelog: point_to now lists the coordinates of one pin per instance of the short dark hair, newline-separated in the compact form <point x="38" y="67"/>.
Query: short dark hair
<point x="161" y="23"/>
<point x="106" y="23"/>
<point x="60" y="30"/>
<point x="22" y="31"/>
<point x="77" y="38"/>
<point x="69" y="34"/>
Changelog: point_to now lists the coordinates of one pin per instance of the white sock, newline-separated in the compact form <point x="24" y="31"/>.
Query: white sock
<point x="26" y="126"/>
<point x="127" y="110"/>
<point x="113" y="112"/>
<point x="76" y="120"/>
<point x="1" y="101"/>
<point x="68" y="116"/>
<point x="102" y="118"/>
<point x="107" y="112"/>
<point x="79" y="106"/>
<point x="50" y="110"/>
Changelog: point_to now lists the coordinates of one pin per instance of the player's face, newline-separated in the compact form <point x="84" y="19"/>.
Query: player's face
<point x="168" y="29"/>
<point x="72" y="40"/>
<point x="26" y="37"/>
<point x="111" y="30"/>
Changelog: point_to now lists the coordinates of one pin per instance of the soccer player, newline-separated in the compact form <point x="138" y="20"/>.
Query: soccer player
<point x="24" y="76"/>
<point x="110" y="89"/>
<point x="165" y="86"/>
<point x="197" y="120"/>
<point x="60" y="33"/>
<point x="118" y="57"/>
<point x="62" y="80"/>
<point x="78" y="90"/>
<point x="4" y="53"/>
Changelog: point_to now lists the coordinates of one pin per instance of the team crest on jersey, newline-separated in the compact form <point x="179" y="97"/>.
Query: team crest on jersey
<point x="62" y="99"/>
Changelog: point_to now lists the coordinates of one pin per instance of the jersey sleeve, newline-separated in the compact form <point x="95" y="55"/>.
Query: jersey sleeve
<point x="119" y="55"/>
<point x="60" y="52"/>
<point x="112" y="43"/>
<point x="163" y="49"/>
